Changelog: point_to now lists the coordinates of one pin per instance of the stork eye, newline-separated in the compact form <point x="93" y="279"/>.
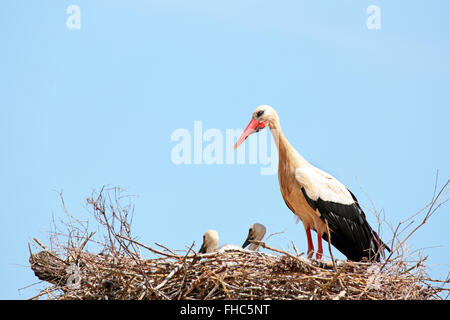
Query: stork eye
<point x="260" y="113"/>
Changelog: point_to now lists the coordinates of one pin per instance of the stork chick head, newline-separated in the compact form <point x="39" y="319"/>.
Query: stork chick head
<point x="256" y="232"/>
<point x="210" y="241"/>
<point x="261" y="117"/>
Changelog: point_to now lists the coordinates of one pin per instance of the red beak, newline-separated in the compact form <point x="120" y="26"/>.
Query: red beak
<point x="251" y="127"/>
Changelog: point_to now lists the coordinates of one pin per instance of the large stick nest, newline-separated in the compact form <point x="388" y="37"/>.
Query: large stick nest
<point x="120" y="272"/>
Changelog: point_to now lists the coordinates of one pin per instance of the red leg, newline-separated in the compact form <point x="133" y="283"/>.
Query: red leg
<point x="319" y="244"/>
<point x="310" y="243"/>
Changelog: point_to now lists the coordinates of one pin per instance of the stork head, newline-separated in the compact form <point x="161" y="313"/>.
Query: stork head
<point x="261" y="117"/>
<point x="256" y="232"/>
<point x="210" y="241"/>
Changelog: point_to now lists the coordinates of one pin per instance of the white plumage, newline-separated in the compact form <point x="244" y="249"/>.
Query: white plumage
<point x="319" y="184"/>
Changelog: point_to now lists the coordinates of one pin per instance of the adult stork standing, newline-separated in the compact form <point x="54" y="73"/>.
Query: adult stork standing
<point x="317" y="198"/>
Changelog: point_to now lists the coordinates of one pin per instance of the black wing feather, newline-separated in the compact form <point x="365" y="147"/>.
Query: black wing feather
<point x="350" y="232"/>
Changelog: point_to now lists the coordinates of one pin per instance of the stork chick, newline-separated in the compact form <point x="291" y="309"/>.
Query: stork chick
<point x="210" y="241"/>
<point x="255" y="233"/>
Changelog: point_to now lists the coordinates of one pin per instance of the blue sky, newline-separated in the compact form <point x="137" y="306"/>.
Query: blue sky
<point x="96" y="106"/>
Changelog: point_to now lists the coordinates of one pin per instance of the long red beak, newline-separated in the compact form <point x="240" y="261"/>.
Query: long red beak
<point x="251" y="127"/>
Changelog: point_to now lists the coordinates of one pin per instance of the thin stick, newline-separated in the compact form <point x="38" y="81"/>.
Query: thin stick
<point x="40" y="243"/>
<point x="329" y="245"/>
<point x="295" y="249"/>
<point x="336" y="275"/>
<point x="164" y="247"/>
<point x="149" y="248"/>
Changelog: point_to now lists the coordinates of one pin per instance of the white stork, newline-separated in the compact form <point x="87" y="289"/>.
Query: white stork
<point x="316" y="197"/>
<point x="255" y="233"/>
<point x="210" y="241"/>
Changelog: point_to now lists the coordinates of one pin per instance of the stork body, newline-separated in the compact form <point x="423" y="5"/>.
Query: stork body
<point x="317" y="198"/>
